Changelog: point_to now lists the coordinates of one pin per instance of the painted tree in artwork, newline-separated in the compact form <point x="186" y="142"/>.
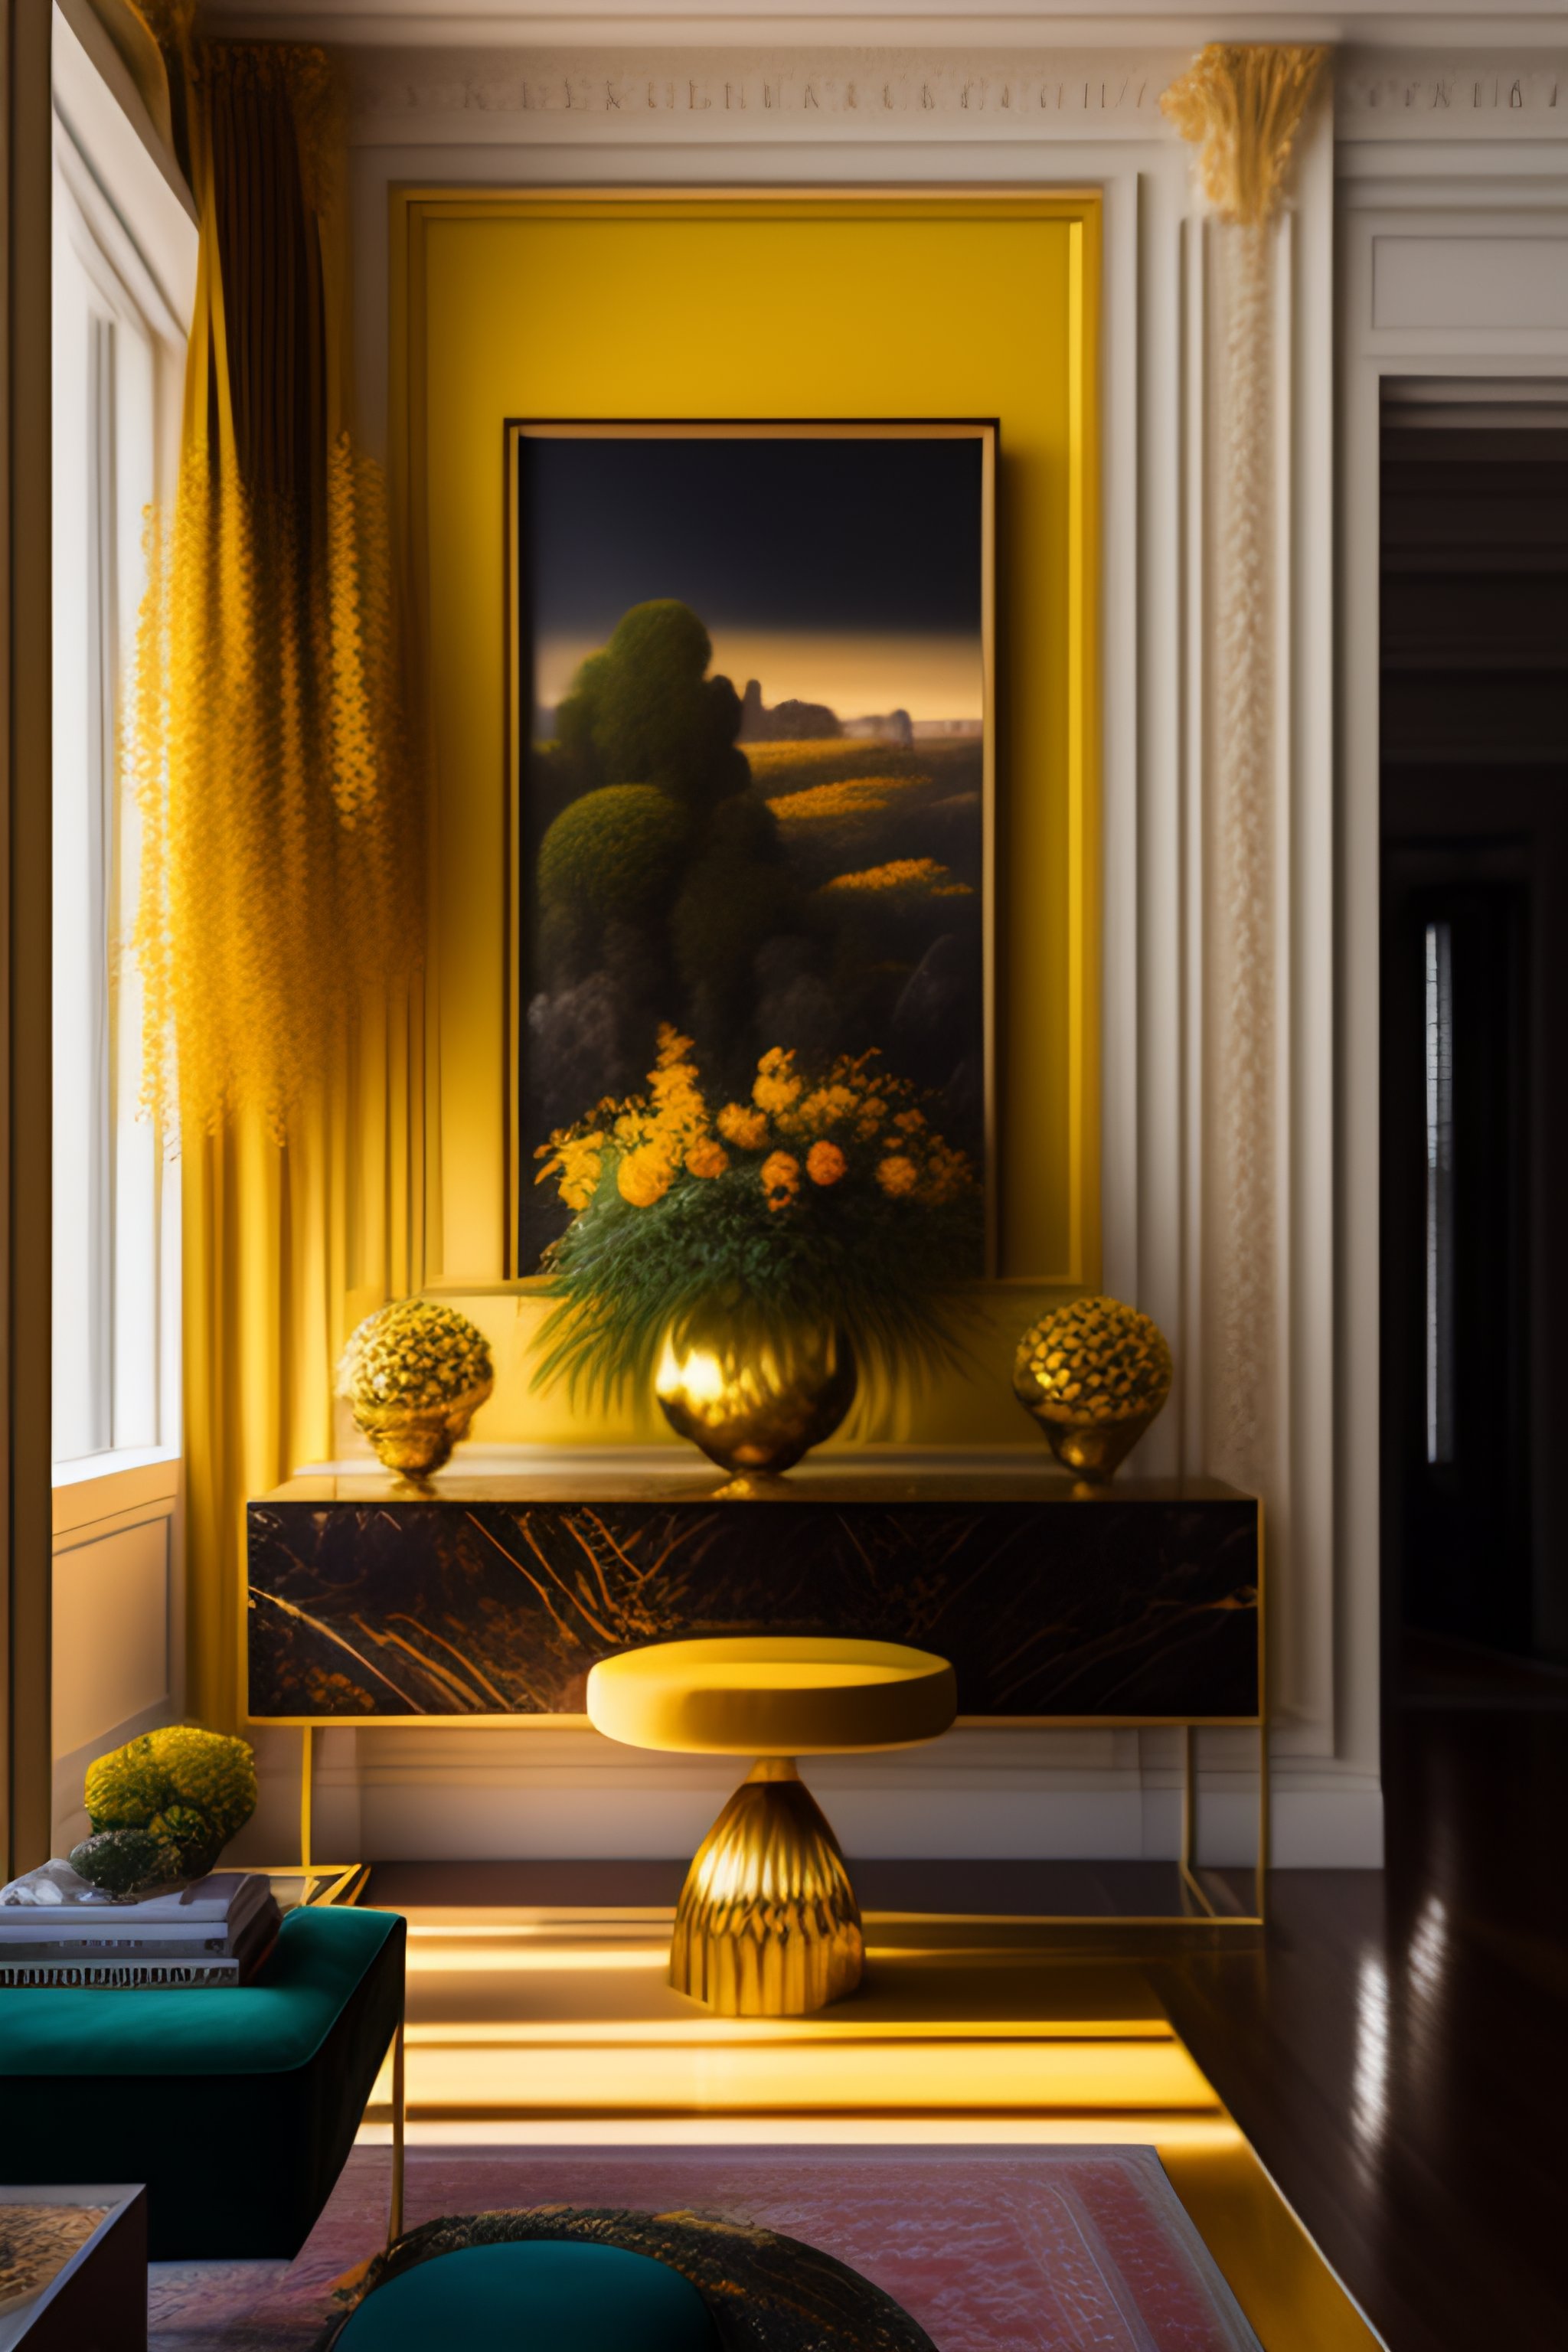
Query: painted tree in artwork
<point x="645" y="711"/>
<point x="663" y="869"/>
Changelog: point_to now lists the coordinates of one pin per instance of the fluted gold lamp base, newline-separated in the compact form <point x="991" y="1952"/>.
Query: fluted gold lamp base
<point x="767" y="1925"/>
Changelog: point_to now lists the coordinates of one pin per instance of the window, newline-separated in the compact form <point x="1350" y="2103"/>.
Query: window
<point x="117" y="351"/>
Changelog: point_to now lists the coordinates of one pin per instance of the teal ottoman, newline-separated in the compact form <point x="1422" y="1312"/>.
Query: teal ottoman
<point x="237" y="2108"/>
<point x="543" y="2294"/>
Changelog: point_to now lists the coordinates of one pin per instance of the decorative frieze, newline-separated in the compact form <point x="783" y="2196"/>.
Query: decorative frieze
<point x="418" y="94"/>
<point x="1463" y="94"/>
<point x="511" y="94"/>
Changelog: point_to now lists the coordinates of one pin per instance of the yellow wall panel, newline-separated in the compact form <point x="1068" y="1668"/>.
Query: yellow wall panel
<point x="784" y="307"/>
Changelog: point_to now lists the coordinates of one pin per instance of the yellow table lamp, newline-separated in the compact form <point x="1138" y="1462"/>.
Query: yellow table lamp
<point x="767" y="1925"/>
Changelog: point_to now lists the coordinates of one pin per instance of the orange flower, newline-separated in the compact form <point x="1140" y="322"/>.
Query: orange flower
<point x="897" y="1175"/>
<point x="776" y="1088"/>
<point x="947" y="1174"/>
<point x="644" y="1176"/>
<point x="781" y="1179"/>
<point x="743" y="1126"/>
<point x="825" y="1163"/>
<point x="708" y="1158"/>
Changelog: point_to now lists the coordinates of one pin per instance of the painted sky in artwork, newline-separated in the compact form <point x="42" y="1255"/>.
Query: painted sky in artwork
<point x="840" y="572"/>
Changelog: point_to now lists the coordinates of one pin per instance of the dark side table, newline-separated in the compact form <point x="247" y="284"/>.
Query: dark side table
<point x="73" y="2268"/>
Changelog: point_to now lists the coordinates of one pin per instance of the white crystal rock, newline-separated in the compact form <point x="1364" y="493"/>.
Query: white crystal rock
<point x="52" y="1882"/>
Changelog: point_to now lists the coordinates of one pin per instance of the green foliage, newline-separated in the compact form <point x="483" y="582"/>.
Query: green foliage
<point x="890" y="1274"/>
<point x="193" y="1835"/>
<point x="614" y="854"/>
<point x="126" y="1861"/>
<point x="186" y="1789"/>
<point x="737" y="892"/>
<point x="645" y="711"/>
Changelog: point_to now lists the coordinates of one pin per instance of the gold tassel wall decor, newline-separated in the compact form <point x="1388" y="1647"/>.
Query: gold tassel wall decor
<point x="1244" y="104"/>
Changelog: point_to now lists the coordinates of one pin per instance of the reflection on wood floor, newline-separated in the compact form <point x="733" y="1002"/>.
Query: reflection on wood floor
<point x="553" y="2023"/>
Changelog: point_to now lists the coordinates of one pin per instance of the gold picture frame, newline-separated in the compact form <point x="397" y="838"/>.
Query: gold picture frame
<point x="534" y="302"/>
<point x="953" y="749"/>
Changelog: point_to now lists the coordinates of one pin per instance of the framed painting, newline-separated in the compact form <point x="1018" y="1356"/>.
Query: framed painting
<point x="751" y="765"/>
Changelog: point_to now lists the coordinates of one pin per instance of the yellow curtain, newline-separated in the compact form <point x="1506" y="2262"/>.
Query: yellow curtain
<point x="282" y="825"/>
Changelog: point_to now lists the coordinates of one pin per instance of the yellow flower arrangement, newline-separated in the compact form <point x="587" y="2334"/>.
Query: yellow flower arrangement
<point x="904" y="878"/>
<point x="740" y="1124"/>
<point x="645" y="1175"/>
<point x="776" y="1088"/>
<point x="829" y="1195"/>
<point x="897" y="1175"/>
<point x="780" y="1174"/>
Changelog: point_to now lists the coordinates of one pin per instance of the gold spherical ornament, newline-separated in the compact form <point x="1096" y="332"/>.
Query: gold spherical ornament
<point x="414" y="1375"/>
<point x="1094" y="1375"/>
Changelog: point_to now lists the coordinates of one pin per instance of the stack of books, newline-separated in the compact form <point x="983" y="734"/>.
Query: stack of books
<point x="217" y="1931"/>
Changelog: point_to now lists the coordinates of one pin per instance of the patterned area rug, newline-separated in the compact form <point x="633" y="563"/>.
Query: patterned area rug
<point x="992" y="2250"/>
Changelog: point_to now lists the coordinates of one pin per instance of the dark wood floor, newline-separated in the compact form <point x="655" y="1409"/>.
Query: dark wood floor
<point x="1396" y="2050"/>
<point x="1397" y="2053"/>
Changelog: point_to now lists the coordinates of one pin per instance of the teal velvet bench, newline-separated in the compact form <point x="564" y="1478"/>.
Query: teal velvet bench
<point x="549" y="2294"/>
<point x="237" y="2108"/>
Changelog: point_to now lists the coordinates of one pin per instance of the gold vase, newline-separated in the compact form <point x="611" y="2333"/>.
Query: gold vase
<point x="1094" y="1374"/>
<point x="767" y="1925"/>
<point x="755" y="1406"/>
<point x="417" y="1439"/>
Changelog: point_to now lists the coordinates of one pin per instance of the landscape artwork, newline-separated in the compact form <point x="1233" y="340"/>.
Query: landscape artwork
<point x="751" y="756"/>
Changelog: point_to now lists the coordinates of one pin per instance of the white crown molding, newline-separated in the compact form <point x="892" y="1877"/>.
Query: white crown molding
<point x="1448" y="94"/>
<point x="750" y="94"/>
<point x="929" y="22"/>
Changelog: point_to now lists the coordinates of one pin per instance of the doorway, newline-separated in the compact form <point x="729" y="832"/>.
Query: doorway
<point x="1474" y="751"/>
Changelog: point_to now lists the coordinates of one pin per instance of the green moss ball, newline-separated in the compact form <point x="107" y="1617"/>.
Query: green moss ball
<point x="126" y="1861"/>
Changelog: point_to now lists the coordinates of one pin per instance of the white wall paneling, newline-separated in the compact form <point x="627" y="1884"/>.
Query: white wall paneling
<point x="1469" y="282"/>
<point x="998" y="115"/>
<point x="119" y="1620"/>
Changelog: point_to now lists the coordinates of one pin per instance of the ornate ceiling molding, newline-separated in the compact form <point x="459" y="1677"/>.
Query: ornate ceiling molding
<point x="423" y="95"/>
<point x="1432" y="95"/>
<point x="427" y="96"/>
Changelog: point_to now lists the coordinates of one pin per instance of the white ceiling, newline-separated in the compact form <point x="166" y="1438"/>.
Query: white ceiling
<point x="1535" y="24"/>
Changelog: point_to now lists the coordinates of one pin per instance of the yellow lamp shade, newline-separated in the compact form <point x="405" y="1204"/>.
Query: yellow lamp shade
<point x="773" y="1695"/>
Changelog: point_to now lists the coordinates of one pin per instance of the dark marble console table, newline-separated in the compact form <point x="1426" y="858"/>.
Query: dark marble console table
<point x="1136" y="1604"/>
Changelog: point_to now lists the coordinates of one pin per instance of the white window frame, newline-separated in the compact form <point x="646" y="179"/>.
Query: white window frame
<point x="126" y="235"/>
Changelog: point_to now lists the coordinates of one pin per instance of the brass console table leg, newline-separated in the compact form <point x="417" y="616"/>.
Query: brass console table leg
<point x="394" y="2209"/>
<point x="1191" y="1887"/>
<point x="767" y="1925"/>
<point x="307" y="1759"/>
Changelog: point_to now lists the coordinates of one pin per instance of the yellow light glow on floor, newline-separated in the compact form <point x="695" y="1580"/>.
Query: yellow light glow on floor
<point x="512" y="1959"/>
<point x="533" y="2032"/>
<point x="988" y="2077"/>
